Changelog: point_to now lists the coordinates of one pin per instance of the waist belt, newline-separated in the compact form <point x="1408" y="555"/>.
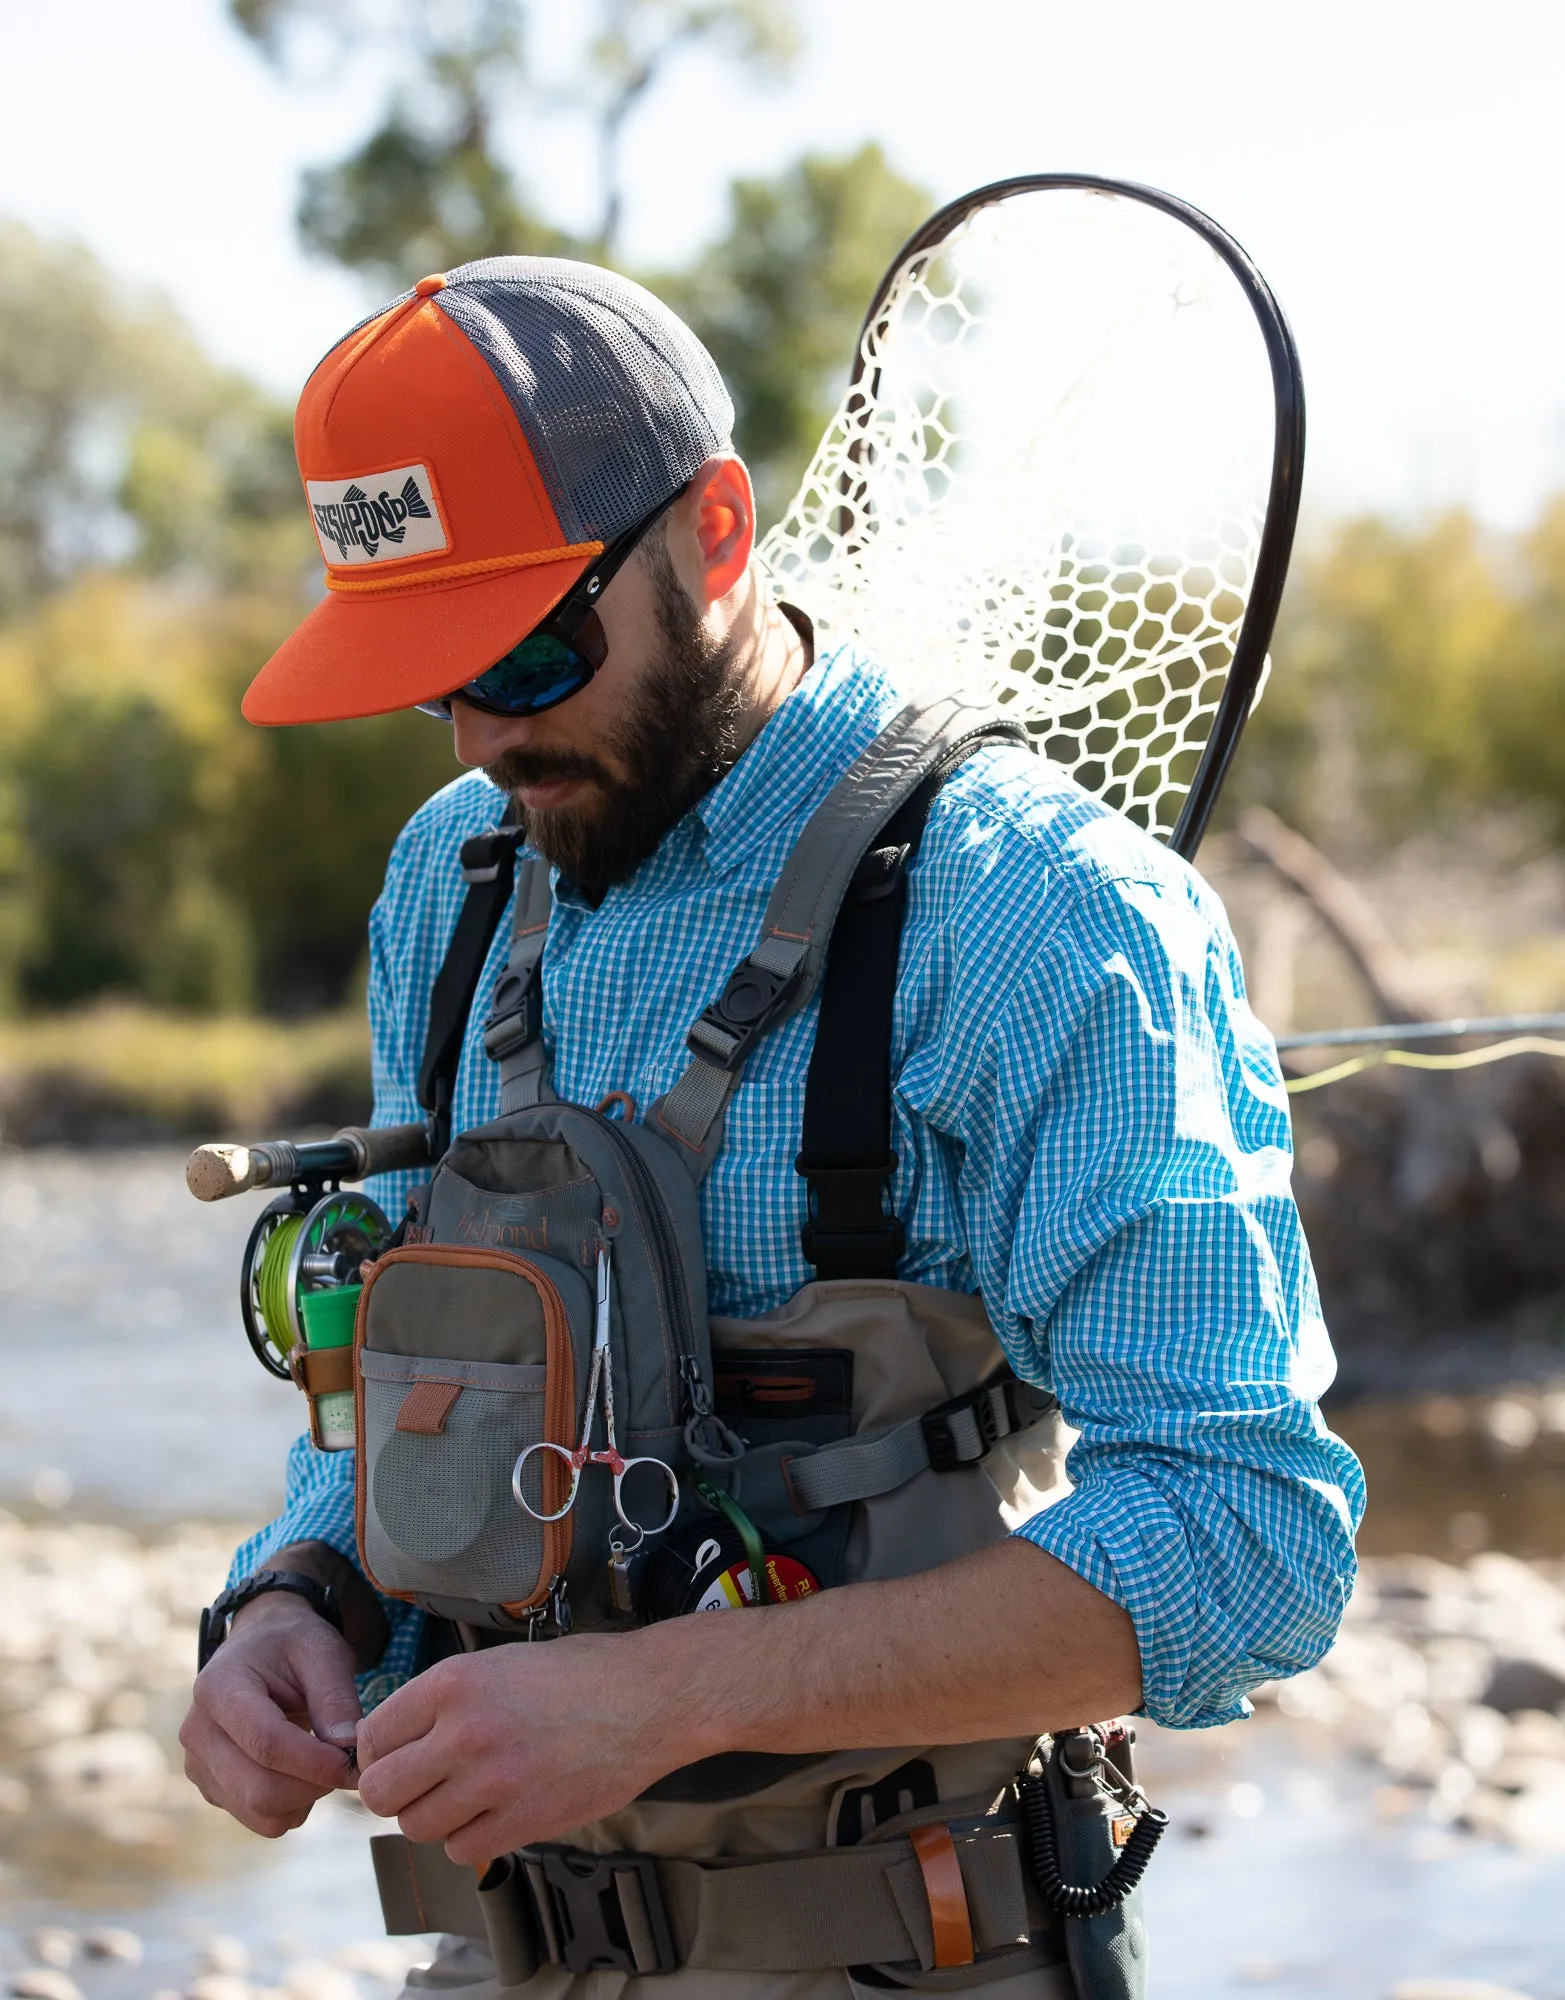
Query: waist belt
<point x="939" y="1896"/>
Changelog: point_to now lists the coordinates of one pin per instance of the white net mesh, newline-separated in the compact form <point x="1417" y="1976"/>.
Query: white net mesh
<point x="1048" y="488"/>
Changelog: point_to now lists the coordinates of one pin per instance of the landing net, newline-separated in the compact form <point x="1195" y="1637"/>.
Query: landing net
<point x="1046" y="487"/>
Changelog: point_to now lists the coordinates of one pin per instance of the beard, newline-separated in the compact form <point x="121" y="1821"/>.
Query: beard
<point x="677" y="737"/>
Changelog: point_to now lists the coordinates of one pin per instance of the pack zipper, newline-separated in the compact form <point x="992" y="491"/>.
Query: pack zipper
<point x="701" y="1423"/>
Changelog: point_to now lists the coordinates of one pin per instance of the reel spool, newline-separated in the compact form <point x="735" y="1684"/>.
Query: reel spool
<point x="302" y="1242"/>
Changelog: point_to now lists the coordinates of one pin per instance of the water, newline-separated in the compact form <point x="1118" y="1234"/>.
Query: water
<point x="131" y="1396"/>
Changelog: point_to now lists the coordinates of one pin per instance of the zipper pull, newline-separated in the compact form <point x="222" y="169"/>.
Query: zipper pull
<point x="708" y="1439"/>
<point x="555" y="1610"/>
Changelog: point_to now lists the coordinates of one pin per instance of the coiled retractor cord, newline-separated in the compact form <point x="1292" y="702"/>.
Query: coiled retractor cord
<point x="1074" y="1899"/>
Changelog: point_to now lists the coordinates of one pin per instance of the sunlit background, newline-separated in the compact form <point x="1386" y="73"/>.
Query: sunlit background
<point x="196" y="200"/>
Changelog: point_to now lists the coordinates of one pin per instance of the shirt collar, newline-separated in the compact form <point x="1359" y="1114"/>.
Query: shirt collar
<point x="839" y="707"/>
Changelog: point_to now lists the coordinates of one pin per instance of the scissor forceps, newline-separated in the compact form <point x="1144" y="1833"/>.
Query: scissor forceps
<point x="602" y="1372"/>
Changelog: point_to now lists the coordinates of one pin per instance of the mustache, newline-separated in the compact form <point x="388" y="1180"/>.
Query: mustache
<point x="513" y="769"/>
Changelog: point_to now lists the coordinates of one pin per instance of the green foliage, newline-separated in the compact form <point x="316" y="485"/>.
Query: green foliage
<point x="1419" y="678"/>
<point x="151" y="841"/>
<point x="119" y="437"/>
<point x="780" y="298"/>
<point x="429" y="187"/>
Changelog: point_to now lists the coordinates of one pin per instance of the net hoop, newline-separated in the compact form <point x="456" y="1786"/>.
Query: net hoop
<point x="851" y="429"/>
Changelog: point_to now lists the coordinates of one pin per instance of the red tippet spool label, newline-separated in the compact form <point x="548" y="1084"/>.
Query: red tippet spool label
<point x="734" y="1586"/>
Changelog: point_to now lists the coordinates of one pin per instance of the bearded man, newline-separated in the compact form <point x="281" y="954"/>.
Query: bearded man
<point x="535" y="526"/>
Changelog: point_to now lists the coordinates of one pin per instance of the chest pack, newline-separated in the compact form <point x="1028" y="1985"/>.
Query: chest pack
<point x="547" y="1436"/>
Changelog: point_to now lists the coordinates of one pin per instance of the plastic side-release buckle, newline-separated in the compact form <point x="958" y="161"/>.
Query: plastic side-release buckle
<point x="726" y="1031"/>
<point x="967" y="1429"/>
<point x="515" y="1015"/>
<point x="483" y="854"/>
<point x="599" y="1912"/>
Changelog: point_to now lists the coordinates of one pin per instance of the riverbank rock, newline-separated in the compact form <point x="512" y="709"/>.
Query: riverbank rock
<point x="1447" y="1676"/>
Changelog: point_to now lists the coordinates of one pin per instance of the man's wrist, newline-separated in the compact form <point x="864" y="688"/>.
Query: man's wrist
<point x="364" y="1622"/>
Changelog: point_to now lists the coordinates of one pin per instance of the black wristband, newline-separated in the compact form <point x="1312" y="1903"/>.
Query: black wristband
<point x="218" y="1618"/>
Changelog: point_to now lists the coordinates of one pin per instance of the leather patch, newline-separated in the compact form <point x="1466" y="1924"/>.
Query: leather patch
<point x="949" y="1916"/>
<point x="426" y="1406"/>
<point x="324" y="1371"/>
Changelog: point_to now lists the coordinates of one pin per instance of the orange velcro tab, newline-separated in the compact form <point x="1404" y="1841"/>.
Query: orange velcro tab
<point x="426" y="1406"/>
<point x="948" y="1912"/>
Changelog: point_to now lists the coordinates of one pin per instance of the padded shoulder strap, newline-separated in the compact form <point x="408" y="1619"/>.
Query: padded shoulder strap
<point x="488" y="868"/>
<point x="513" y="1032"/>
<point x="779" y="975"/>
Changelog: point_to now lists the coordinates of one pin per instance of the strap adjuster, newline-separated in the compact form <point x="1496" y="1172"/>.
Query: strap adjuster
<point x="851" y="1230"/>
<point x="482" y="854"/>
<point x="599" y="1912"/>
<point x="515" y="1014"/>
<point x="752" y="1000"/>
<point x="965" y="1430"/>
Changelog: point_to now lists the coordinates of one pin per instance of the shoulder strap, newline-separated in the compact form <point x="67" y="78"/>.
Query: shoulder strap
<point x="513" y="1033"/>
<point x="845" y="1151"/>
<point x="780" y="974"/>
<point x="488" y="868"/>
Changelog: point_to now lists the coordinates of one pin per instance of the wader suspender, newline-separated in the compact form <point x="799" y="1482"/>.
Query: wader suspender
<point x="845" y="1151"/>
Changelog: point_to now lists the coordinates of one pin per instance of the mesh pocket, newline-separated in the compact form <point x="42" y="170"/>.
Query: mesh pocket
<point x="441" y="1517"/>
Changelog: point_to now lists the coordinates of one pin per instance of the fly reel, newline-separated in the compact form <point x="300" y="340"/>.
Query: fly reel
<point x="304" y="1243"/>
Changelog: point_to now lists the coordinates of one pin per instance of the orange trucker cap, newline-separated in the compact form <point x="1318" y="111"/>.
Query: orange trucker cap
<point x="466" y="453"/>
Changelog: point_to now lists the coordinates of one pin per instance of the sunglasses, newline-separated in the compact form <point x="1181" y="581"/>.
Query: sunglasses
<point x="560" y="655"/>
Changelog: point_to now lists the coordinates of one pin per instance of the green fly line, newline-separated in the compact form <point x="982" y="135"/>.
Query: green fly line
<point x="1521" y="1045"/>
<point x="271" y="1280"/>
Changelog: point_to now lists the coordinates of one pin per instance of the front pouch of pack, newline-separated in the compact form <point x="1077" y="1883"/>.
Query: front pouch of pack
<point x="464" y="1357"/>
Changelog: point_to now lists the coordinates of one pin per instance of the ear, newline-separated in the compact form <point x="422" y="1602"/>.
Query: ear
<point x="721" y="504"/>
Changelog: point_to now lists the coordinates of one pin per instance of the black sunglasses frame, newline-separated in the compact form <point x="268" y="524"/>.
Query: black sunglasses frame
<point x="574" y="623"/>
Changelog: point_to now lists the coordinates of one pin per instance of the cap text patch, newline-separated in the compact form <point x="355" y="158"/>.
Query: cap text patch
<point x="378" y="518"/>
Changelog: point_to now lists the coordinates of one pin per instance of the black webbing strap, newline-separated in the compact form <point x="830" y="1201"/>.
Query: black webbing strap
<point x="845" y="1151"/>
<point x="489" y="867"/>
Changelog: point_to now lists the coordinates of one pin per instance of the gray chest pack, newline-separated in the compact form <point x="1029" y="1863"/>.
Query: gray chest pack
<point x="555" y="1435"/>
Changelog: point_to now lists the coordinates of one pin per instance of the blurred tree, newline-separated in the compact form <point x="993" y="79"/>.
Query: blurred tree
<point x="429" y="188"/>
<point x="1420" y="676"/>
<point x="120" y="439"/>
<point x="779" y="299"/>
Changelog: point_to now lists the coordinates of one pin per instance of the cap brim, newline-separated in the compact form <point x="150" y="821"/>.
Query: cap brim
<point x="368" y="655"/>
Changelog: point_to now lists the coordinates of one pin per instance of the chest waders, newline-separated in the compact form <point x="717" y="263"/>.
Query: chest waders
<point x="868" y="1428"/>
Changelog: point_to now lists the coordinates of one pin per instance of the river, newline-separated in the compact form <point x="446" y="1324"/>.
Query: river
<point x="132" y="1406"/>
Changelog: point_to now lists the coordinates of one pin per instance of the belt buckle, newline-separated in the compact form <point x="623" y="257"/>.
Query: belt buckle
<point x="590" y="1918"/>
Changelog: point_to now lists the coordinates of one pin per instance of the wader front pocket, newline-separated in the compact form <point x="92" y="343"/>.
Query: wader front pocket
<point x="439" y="1432"/>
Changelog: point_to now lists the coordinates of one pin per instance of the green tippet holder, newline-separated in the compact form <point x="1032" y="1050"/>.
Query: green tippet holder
<point x="329" y="1314"/>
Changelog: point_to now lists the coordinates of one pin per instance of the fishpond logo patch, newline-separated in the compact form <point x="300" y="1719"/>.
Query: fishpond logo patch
<point x="377" y="518"/>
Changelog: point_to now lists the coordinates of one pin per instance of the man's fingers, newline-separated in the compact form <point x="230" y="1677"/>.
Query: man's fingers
<point x="477" y="1843"/>
<point x="402" y="1717"/>
<point x="394" y="1781"/>
<point x="246" y="1713"/>
<point x="261" y="1800"/>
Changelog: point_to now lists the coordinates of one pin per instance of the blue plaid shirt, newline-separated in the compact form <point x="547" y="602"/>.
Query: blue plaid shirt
<point x="1091" y="1129"/>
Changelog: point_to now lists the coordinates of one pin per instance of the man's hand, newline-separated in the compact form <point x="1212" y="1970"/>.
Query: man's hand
<point x="244" y="1747"/>
<point x="499" y="1749"/>
<point x="495" y="1750"/>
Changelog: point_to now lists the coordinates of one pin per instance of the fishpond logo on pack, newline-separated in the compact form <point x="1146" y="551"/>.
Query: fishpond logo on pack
<point x="377" y="517"/>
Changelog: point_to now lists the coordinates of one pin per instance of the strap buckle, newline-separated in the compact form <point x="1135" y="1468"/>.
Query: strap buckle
<point x="752" y="1000"/>
<point x="515" y="1014"/>
<point x="965" y="1430"/>
<point x="599" y="1912"/>
<point x="483" y="854"/>
<point x="852" y="1231"/>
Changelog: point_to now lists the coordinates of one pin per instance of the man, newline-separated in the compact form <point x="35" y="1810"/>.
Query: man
<point x="1089" y="1123"/>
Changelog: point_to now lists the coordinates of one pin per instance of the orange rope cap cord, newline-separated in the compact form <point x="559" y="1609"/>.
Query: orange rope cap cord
<point x="455" y="572"/>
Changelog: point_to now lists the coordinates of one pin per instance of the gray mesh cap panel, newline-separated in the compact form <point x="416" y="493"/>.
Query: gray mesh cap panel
<point x="618" y="399"/>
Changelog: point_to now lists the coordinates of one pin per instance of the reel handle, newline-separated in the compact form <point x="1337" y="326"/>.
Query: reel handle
<point x="214" y="1172"/>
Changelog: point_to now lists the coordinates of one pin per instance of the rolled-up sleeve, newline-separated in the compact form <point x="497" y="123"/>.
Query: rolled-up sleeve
<point x="1126" y="1176"/>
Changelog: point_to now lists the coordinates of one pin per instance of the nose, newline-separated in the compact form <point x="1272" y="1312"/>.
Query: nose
<point x="480" y="738"/>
